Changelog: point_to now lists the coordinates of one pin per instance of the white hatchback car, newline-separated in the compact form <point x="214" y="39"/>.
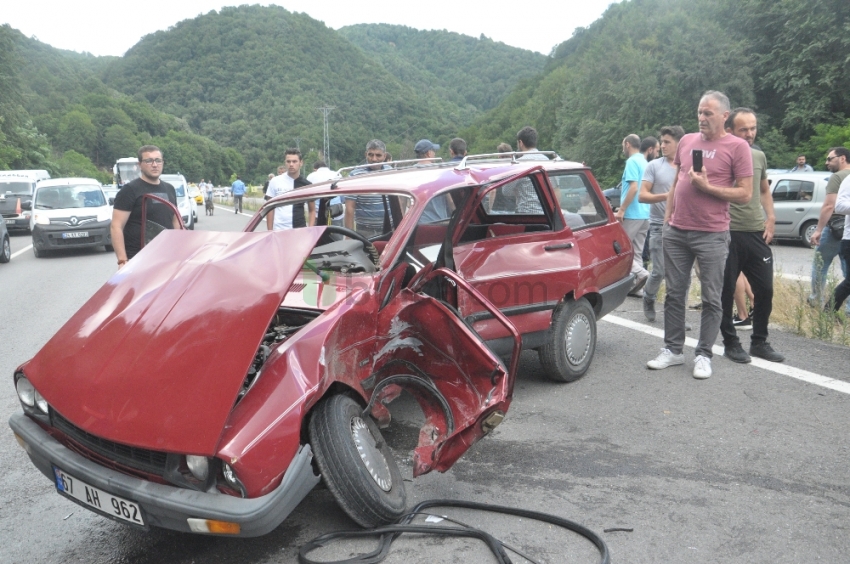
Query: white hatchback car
<point x="69" y="213"/>
<point x="797" y="199"/>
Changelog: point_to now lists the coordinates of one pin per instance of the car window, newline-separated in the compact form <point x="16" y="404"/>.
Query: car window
<point x="520" y="197"/>
<point x="67" y="197"/>
<point x="579" y="204"/>
<point x="16" y="188"/>
<point x="793" y="190"/>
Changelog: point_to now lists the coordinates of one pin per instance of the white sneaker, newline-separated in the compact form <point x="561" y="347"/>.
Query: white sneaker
<point x="665" y="359"/>
<point x="702" y="367"/>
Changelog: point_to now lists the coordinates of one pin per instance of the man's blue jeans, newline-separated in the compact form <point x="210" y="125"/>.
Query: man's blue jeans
<point x="825" y="253"/>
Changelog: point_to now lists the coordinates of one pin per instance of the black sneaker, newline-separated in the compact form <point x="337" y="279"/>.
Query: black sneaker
<point x="742" y="324"/>
<point x="765" y="351"/>
<point x="736" y="353"/>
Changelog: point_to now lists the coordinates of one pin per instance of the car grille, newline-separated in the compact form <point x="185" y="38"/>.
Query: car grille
<point x="72" y="221"/>
<point x="149" y="461"/>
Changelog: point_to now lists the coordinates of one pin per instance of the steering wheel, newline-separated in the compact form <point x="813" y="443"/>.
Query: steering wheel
<point x="367" y="244"/>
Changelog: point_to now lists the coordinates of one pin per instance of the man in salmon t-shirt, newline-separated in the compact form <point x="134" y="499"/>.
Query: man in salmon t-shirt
<point x="696" y="227"/>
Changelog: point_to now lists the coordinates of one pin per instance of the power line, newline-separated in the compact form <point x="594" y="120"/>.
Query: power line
<point x="326" y="150"/>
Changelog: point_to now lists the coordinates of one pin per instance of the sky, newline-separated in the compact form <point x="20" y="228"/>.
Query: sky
<point x="110" y="28"/>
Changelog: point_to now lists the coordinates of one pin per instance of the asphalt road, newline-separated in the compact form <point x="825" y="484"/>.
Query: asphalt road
<point x="747" y="466"/>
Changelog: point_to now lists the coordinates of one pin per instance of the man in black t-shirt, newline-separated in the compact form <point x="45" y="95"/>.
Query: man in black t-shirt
<point x="127" y="211"/>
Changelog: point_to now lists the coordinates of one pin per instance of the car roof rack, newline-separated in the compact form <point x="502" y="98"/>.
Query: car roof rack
<point x="513" y="155"/>
<point x="389" y="165"/>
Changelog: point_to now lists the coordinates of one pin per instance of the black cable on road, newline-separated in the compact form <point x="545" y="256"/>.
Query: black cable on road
<point x="389" y="533"/>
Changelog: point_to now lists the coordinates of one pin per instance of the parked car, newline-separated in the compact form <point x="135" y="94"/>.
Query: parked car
<point x="185" y="203"/>
<point x="5" y="244"/>
<point x="212" y="410"/>
<point x="797" y="199"/>
<point x="69" y="213"/>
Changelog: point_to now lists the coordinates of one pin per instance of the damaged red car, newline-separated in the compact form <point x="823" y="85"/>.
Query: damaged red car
<point x="213" y="381"/>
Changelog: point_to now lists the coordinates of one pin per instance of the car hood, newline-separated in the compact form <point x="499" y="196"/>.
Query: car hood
<point x="156" y="357"/>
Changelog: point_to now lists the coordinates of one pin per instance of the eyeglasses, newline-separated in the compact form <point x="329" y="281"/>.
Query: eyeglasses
<point x="153" y="161"/>
<point x="832" y="157"/>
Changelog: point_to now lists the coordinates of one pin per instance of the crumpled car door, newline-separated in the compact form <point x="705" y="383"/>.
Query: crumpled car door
<point x="425" y="348"/>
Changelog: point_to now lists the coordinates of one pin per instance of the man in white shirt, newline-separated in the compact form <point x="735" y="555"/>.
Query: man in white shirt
<point x="281" y="217"/>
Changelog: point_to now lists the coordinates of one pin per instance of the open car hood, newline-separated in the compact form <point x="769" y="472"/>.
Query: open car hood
<point x="156" y="357"/>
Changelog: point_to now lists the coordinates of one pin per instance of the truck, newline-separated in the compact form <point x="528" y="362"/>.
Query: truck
<point x="16" y="190"/>
<point x="126" y="170"/>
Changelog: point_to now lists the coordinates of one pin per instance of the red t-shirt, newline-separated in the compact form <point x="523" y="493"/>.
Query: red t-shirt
<point x="724" y="160"/>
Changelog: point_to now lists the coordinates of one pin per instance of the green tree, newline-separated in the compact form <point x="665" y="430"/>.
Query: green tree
<point x="77" y="132"/>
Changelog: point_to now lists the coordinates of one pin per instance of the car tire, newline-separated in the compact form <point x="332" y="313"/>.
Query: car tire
<point x="194" y="217"/>
<point x="109" y="248"/>
<point x="568" y="354"/>
<point x="38" y="253"/>
<point x="356" y="464"/>
<point x="6" y="251"/>
<point x="806" y="232"/>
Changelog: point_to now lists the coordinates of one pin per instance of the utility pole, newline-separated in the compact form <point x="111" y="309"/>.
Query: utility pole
<point x="298" y="143"/>
<point x="326" y="150"/>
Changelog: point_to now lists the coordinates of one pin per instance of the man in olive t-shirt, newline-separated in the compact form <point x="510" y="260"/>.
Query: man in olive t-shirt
<point x="750" y="232"/>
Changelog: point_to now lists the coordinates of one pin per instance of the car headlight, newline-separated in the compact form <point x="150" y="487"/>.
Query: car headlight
<point x="232" y="480"/>
<point x="199" y="466"/>
<point x="41" y="403"/>
<point x="42" y="219"/>
<point x="26" y="391"/>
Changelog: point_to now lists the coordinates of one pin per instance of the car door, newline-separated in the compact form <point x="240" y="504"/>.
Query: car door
<point x="426" y="348"/>
<point x="793" y="204"/>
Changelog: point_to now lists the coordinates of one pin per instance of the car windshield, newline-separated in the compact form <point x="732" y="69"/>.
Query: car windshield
<point x="71" y="196"/>
<point x="16" y="188"/>
<point x="128" y="172"/>
<point x="177" y="182"/>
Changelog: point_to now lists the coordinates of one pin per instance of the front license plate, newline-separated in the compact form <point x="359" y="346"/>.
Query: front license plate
<point x="97" y="499"/>
<point x="75" y="234"/>
<point x="10" y="222"/>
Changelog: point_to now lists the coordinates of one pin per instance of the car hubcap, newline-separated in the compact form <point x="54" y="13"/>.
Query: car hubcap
<point x="7" y="249"/>
<point x="578" y="339"/>
<point x="371" y="455"/>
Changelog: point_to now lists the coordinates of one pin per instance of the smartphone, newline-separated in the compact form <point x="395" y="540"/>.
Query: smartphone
<point x="697" y="155"/>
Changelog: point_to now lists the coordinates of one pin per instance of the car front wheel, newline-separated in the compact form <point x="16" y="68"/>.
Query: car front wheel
<point x="567" y="355"/>
<point x="807" y="231"/>
<point x="356" y="464"/>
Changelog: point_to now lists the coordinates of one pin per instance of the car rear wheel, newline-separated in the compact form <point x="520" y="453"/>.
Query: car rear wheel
<point x="6" y="252"/>
<point x="807" y="231"/>
<point x="567" y="355"/>
<point x="356" y="464"/>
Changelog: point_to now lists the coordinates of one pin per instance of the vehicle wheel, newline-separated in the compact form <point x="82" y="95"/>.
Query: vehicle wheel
<point x="37" y="253"/>
<point x="6" y="251"/>
<point x="356" y="464"/>
<point x="194" y="217"/>
<point x="806" y="232"/>
<point x="567" y="356"/>
<point x="109" y="248"/>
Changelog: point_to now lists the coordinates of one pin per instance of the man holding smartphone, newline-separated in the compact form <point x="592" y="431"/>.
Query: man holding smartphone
<point x="696" y="227"/>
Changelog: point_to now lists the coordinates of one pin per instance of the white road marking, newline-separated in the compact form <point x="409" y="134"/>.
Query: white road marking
<point x="230" y="210"/>
<point x="22" y="251"/>
<point x="776" y="367"/>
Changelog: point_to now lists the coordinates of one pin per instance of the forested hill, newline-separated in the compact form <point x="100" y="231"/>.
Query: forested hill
<point x="58" y="115"/>
<point x="254" y="77"/>
<point x="468" y="71"/>
<point x="644" y="64"/>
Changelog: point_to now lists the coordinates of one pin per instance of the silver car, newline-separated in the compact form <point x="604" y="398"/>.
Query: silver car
<point x="797" y="199"/>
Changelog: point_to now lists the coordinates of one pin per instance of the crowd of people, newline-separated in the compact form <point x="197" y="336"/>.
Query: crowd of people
<point x="701" y="200"/>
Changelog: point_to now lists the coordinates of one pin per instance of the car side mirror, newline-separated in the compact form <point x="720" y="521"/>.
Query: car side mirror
<point x="26" y="205"/>
<point x="111" y="201"/>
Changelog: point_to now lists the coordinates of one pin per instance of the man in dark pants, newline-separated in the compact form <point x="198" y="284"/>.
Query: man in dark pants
<point x="750" y="232"/>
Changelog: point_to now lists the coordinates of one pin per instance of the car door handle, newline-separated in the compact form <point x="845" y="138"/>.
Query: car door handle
<point x="799" y="209"/>
<point x="558" y="247"/>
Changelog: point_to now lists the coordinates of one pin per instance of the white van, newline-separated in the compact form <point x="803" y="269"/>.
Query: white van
<point x="16" y="190"/>
<point x="185" y="204"/>
<point x="70" y="213"/>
